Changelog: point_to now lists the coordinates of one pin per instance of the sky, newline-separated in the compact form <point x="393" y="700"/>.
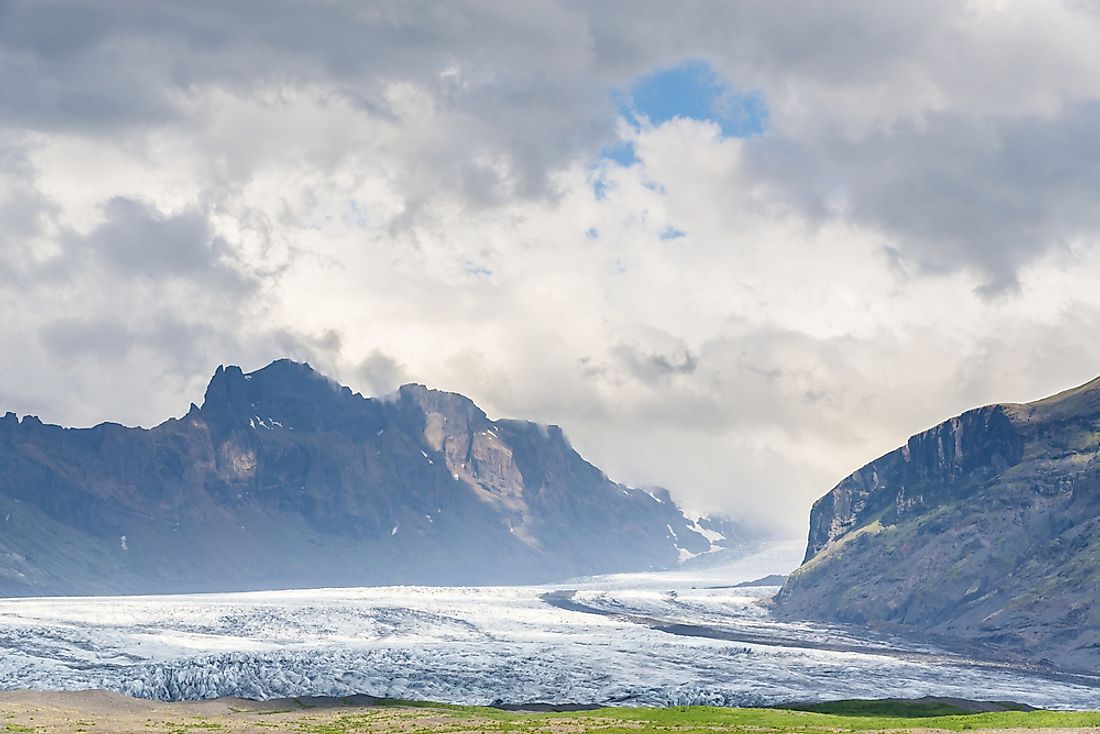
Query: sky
<point x="735" y="249"/>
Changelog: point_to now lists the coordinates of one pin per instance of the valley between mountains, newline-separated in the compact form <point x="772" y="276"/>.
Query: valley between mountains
<point x="479" y="561"/>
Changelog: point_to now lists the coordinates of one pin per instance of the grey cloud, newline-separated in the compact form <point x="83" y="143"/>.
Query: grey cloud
<point x="895" y="260"/>
<point x="130" y="318"/>
<point x="25" y="213"/>
<point x="104" y="339"/>
<point x="21" y="215"/>
<point x="966" y="185"/>
<point x="138" y="240"/>
<point x="527" y="91"/>
<point x="953" y="193"/>
<point x="183" y="345"/>
<point x="844" y="43"/>
<point x="380" y="374"/>
<point x="67" y="67"/>
<point x="652" y="367"/>
<point x="322" y="350"/>
<point x="141" y="368"/>
<point x="953" y="189"/>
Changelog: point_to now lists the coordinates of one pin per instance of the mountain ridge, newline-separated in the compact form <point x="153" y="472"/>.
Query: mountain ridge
<point x="285" y="478"/>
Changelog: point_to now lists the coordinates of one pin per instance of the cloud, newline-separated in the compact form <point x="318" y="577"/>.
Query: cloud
<point x="100" y="338"/>
<point x="26" y="213"/>
<point x="380" y="373"/>
<point x="734" y="249"/>
<point x="871" y="107"/>
<point x="136" y="240"/>
<point x="652" y="367"/>
<point x="951" y="193"/>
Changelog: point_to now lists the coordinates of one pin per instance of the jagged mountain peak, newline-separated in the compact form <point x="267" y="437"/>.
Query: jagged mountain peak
<point x="283" y="477"/>
<point x="284" y="394"/>
<point x="281" y="375"/>
<point x="454" y="407"/>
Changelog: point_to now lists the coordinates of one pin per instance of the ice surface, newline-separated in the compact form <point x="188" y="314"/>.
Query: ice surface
<point x="480" y="645"/>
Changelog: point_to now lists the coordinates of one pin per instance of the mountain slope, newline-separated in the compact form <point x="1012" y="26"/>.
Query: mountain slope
<point x="285" y="479"/>
<point x="983" y="530"/>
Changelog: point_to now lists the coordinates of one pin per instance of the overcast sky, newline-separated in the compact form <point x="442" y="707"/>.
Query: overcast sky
<point x="734" y="248"/>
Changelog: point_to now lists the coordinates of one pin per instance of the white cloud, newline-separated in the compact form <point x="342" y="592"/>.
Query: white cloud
<point x="406" y="191"/>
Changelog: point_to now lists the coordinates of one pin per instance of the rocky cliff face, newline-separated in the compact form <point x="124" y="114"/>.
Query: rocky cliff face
<point x="283" y="478"/>
<point x="944" y="463"/>
<point x="983" y="531"/>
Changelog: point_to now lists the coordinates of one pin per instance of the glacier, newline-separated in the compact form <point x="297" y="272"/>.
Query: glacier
<point x="485" y="645"/>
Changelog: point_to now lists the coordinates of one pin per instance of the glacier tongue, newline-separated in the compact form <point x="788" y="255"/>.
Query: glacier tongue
<point x="477" y="646"/>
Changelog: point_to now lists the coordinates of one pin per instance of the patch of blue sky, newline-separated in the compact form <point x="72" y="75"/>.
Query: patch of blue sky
<point x="622" y="153"/>
<point x="691" y="90"/>
<point x="694" y="90"/>
<point x="671" y="233"/>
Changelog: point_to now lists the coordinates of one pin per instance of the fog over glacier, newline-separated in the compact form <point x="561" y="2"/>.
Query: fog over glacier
<point x="490" y="644"/>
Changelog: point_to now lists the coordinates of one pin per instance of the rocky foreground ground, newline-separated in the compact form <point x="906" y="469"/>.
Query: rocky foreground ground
<point x="91" y="712"/>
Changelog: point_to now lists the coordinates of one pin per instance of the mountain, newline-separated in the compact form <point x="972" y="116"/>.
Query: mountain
<point x="285" y="479"/>
<point x="981" y="532"/>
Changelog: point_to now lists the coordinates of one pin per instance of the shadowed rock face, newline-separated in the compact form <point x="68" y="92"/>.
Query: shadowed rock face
<point x="983" y="531"/>
<point x="285" y="479"/>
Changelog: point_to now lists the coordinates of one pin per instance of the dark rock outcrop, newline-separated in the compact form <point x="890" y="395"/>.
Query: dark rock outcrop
<point x="981" y="532"/>
<point x="283" y="478"/>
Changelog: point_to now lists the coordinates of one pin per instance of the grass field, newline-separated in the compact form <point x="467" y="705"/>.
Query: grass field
<point x="88" y="713"/>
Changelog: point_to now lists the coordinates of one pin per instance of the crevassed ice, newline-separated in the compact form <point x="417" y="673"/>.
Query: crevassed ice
<point x="470" y="645"/>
